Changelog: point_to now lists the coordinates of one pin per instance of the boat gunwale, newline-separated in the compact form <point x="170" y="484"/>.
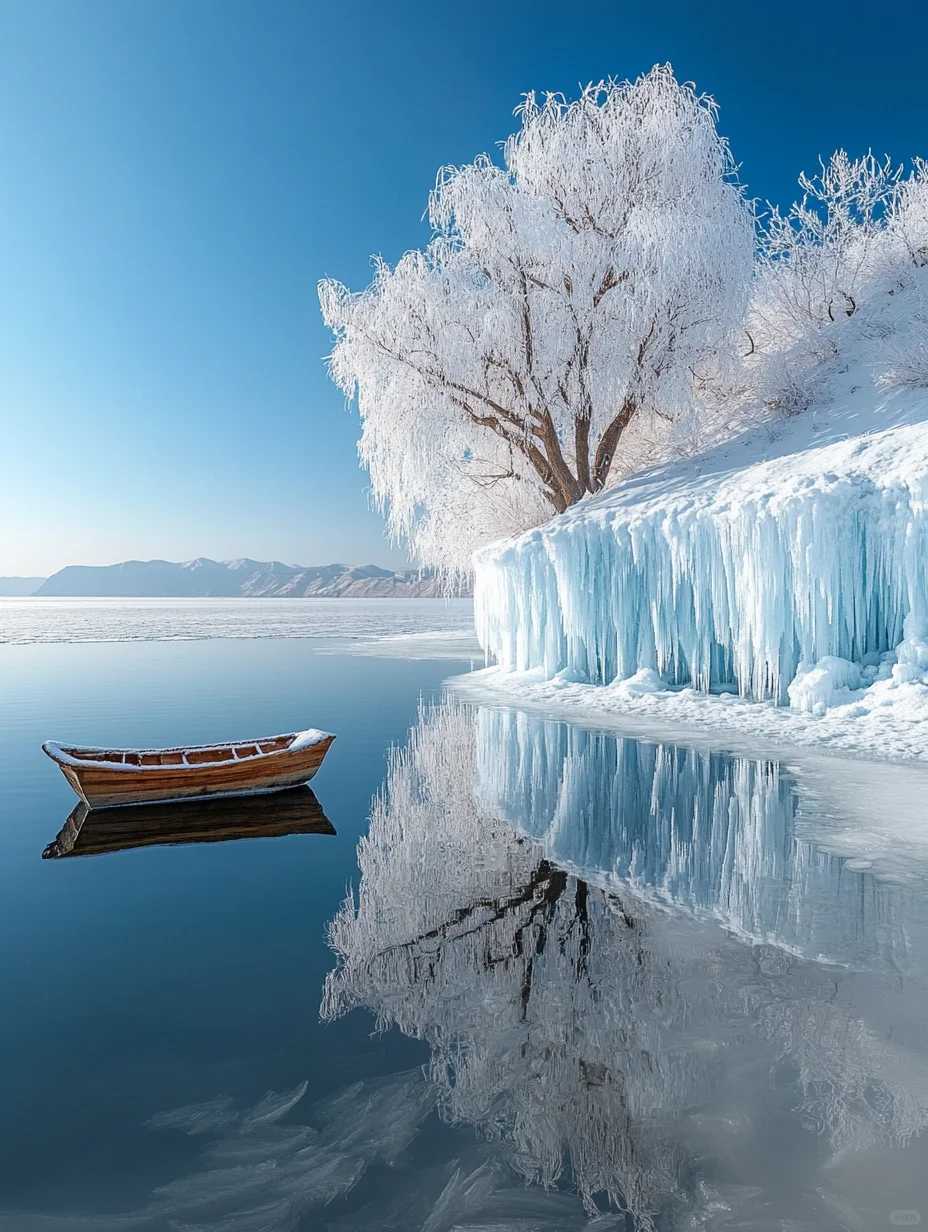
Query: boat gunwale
<point x="63" y="755"/>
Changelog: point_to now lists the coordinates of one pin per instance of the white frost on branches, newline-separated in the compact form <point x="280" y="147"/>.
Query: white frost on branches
<point x="838" y="278"/>
<point x="566" y="297"/>
<point x="818" y="256"/>
<point x="600" y="302"/>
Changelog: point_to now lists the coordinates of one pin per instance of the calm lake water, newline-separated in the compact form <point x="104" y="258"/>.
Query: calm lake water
<point x="576" y="972"/>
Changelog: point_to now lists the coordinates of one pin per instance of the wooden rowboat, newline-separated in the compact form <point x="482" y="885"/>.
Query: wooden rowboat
<point x="91" y="832"/>
<point x="108" y="778"/>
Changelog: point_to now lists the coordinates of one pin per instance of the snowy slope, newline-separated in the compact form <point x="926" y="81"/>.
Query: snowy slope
<point x="790" y="565"/>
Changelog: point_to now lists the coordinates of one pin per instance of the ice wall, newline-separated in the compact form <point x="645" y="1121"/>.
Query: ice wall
<point x="722" y="574"/>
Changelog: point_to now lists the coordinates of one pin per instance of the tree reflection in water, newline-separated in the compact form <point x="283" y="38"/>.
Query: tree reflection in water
<point x="542" y="905"/>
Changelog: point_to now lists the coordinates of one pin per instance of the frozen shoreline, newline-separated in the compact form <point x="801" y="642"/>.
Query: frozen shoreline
<point x="896" y="732"/>
<point x="785" y="566"/>
<point x="864" y="798"/>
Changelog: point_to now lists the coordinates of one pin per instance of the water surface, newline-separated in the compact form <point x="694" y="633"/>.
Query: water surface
<point x="609" y="975"/>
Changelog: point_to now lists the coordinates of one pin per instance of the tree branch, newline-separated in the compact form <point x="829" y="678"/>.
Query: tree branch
<point x="608" y="443"/>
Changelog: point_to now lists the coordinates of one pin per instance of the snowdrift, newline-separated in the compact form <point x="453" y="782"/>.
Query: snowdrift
<point x="789" y="567"/>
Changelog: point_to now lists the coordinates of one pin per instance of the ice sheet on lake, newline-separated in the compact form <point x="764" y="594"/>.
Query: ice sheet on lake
<point x="872" y="816"/>
<point x="754" y="843"/>
<point x="30" y="620"/>
<point x="487" y="1197"/>
<point x="192" y="1119"/>
<point x="453" y="645"/>
<point x="217" y="1114"/>
<point x="273" y="1106"/>
<point x="276" y="1216"/>
<point x="254" y="1175"/>
<point x="886" y="731"/>
<point x="269" y="1143"/>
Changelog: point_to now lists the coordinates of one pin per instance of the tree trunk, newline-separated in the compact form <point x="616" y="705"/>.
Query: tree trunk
<point x="563" y="487"/>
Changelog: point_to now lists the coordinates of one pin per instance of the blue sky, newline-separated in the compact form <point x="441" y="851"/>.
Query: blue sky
<point x="176" y="175"/>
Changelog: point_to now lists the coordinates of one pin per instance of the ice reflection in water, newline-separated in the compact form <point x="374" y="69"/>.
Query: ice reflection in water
<point x="640" y="980"/>
<point x="542" y="905"/>
<point x="702" y="832"/>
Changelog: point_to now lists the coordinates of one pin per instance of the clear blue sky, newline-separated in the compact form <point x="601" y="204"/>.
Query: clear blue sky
<point x="176" y="175"/>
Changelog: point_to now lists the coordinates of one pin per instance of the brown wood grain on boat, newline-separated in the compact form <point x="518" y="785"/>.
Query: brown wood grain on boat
<point x="108" y="778"/>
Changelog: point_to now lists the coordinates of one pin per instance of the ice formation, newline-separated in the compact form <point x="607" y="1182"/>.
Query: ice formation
<point x="794" y="570"/>
<point x="584" y="1010"/>
<point x="24" y="621"/>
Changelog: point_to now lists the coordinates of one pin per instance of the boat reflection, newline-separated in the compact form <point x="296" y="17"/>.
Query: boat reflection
<point x="98" y="831"/>
<point x="634" y="972"/>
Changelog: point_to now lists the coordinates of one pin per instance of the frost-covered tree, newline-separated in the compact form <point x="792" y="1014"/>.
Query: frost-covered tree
<point x="565" y="296"/>
<point x="840" y="276"/>
<point x="902" y="360"/>
<point x="820" y="253"/>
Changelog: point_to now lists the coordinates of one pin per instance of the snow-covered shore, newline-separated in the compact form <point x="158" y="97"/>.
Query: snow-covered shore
<point x="894" y="729"/>
<point x="774" y="590"/>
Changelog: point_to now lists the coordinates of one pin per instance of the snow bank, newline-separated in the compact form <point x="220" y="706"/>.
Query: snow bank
<point x="791" y="569"/>
<point x="885" y="721"/>
<point x="830" y="682"/>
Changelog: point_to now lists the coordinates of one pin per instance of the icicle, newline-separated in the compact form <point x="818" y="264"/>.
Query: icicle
<point x="777" y="569"/>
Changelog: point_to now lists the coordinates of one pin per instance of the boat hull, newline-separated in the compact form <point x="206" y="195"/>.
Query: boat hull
<point x="100" y="786"/>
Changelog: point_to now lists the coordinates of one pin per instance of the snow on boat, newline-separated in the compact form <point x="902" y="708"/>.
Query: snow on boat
<point x="108" y="778"/>
<point x="91" y="832"/>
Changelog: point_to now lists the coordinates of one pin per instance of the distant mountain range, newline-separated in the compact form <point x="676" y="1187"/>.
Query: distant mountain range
<point x="19" y="586"/>
<point x="203" y="578"/>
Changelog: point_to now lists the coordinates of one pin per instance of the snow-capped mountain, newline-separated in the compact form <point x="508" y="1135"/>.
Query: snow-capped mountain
<point x="243" y="578"/>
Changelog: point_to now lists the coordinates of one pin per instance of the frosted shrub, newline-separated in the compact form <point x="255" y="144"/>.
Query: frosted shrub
<point x="818" y="258"/>
<point x="566" y="297"/>
<point x="838" y="274"/>
<point x="908" y="219"/>
<point x="902" y="357"/>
